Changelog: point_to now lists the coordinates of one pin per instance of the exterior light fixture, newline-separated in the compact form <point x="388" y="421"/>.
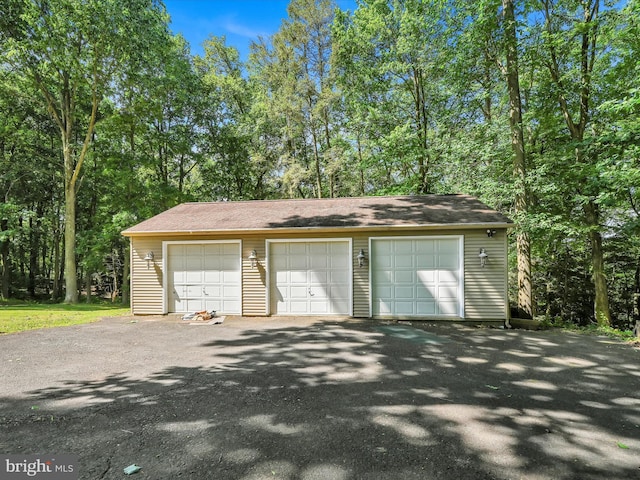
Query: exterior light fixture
<point x="483" y="257"/>
<point x="148" y="258"/>
<point x="253" y="258"/>
<point x="490" y="232"/>
<point x="361" y="257"/>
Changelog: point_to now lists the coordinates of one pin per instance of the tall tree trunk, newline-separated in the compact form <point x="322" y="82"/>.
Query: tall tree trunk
<point x="577" y="130"/>
<point x="526" y="307"/>
<point x="318" y="168"/>
<point x="33" y="259"/>
<point x="55" y="287"/>
<point x="601" y="304"/>
<point x="87" y="283"/>
<point x="70" y="268"/>
<point x="5" y="277"/>
<point x="636" y="302"/>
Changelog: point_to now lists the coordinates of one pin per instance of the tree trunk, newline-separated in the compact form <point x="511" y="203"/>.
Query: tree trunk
<point x="70" y="271"/>
<point x="316" y="156"/>
<point x="523" y="243"/>
<point x="55" y="287"/>
<point x="4" y="258"/>
<point x="87" y="284"/>
<point x="601" y="304"/>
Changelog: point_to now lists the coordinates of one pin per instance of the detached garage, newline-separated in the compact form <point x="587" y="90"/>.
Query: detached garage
<point x="413" y="257"/>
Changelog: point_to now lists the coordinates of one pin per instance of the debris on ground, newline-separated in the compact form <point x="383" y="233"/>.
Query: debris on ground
<point x="201" y="316"/>
<point x="131" y="469"/>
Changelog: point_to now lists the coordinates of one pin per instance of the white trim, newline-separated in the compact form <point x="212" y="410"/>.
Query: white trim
<point x="165" y="259"/>
<point x="422" y="237"/>
<point x="347" y="240"/>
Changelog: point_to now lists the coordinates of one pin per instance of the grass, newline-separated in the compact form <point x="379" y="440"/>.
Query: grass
<point x="21" y="316"/>
<point x="593" y="329"/>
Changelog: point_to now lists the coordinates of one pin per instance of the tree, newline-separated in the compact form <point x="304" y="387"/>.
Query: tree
<point x="390" y="61"/>
<point x="73" y="52"/>
<point x="570" y="42"/>
<point x="511" y="74"/>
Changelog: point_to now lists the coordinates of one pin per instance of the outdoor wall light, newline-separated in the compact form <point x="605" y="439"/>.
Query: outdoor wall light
<point x="253" y="258"/>
<point x="148" y="258"/>
<point x="361" y="257"/>
<point x="483" y="257"/>
<point x="490" y="232"/>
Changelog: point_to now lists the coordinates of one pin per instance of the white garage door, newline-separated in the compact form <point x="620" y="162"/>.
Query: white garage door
<point x="204" y="276"/>
<point x="419" y="277"/>
<point x="310" y="278"/>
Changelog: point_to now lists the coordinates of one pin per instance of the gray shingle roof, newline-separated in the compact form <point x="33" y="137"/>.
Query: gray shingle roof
<point x="329" y="213"/>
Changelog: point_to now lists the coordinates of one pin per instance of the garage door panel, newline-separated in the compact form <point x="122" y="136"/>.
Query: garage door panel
<point x="426" y="308"/>
<point x="404" y="292"/>
<point x="319" y="262"/>
<point x="212" y="276"/>
<point x="297" y="262"/>
<point x="319" y="278"/>
<point x="297" y="292"/>
<point x="404" y="308"/>
<point x="298" y="249"/>
<point x="211" y="290"/>
<point x="424" y="293"/>
<point x="204" y="276"/>
<point x="448" y="308"/>
<point x="298" y="277"/>
<point x="384" y="292"/>
<point x="447" y="293"/>
<point x="404" y="276"/>
<point x="193" y="276"/>
<point x="426" y="276"/>
<point x="382" y="307"/>
<point x="381" y="277"/>
<point x="313" y="277"/>
<point x="426" y="261"/>
<point x="426" y="247"/>
<point x="298" y="306"/>
<point x="404" y="261"/>
<point x="231" y="277"/>
<point x="339" y="277"/>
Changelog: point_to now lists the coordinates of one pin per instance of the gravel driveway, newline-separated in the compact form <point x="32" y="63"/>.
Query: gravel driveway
<point x="306" y="398"/>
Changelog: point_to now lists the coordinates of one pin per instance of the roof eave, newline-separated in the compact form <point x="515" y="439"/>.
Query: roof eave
<point x="366" y="228"/>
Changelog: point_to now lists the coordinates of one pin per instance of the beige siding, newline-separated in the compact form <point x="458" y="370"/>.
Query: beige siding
<point x="254" y="280"/>
<point x="146" y="282"/>
<point x="361" y="304"/>
<point x="485" y="288"/>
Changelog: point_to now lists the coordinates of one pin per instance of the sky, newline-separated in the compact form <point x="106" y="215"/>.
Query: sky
<point x="241" y="21"/>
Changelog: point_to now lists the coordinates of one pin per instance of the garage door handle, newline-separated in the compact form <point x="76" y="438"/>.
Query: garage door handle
<point x="311" y="293"/>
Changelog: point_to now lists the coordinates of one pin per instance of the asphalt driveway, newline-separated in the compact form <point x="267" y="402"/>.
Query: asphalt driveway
<point x="310" y="399"/>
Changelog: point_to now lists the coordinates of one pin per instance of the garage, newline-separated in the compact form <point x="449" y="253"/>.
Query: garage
<point x="204" y="276"/>
<point x="310" y="277"/>
<point x="417" y="277"/>
<point x="392" y="257"/>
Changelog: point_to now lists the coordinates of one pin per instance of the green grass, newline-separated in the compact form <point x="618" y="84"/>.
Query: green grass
<point x="21" y="316"/>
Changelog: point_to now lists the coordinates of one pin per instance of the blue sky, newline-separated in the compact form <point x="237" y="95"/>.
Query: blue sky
<point x="241" y="21"/>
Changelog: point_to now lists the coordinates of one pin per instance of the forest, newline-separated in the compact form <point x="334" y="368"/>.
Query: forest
<point x="106" y="119"/>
